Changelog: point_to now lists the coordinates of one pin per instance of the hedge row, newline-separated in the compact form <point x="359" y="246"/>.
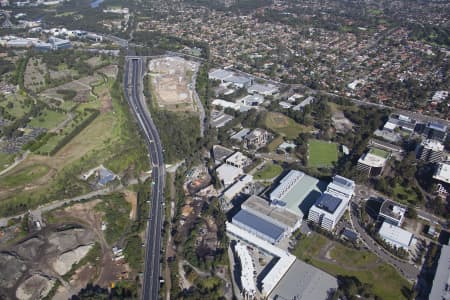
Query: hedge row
<point x="76" y="130"/>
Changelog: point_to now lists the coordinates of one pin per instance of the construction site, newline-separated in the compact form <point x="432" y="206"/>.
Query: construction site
<point x="171" y="80"/>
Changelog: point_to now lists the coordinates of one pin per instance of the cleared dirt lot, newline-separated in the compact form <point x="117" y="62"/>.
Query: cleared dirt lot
<point x="171" y="83"/>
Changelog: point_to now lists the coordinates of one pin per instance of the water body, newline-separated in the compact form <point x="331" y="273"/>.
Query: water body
<point x="96" y="3"/>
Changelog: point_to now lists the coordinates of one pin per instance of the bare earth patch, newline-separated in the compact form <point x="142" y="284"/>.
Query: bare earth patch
<point x="131" y="197"/>
<point x="171" y="83"/>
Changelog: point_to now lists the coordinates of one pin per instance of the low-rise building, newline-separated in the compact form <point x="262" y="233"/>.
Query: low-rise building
<point x="230" y="193"/>
<point x="256" y="139"/>
<point x="228" y="174"/>
<point x="247" y="269"/>
<point x="238" y="160"/>
<point x="392" y="213"/>
<point x="301" y="105"/>
<point x="395" y="236"/>
<point x="430" y="150"/>
<point x="400" y="122"/>
<point x="261" y="227"/>
<point x="263" y="89"/>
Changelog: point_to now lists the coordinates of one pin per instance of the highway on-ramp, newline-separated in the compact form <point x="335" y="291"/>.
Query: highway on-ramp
<point x="133" y="76"/>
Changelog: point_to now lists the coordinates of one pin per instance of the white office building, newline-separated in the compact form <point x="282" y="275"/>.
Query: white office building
<point x="331" y="206"/>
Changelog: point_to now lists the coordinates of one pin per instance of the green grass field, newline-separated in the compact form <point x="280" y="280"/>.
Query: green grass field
<point x="322" y="154"/>
<point x="268" y="171"/>
<point x="284" y="125"/>
<point x="379" y="152"/>
<point x="22" y="176"/>
<point x="6" y="160"/>
<point x="49" y="119"/>
<point x="387" y="283"/>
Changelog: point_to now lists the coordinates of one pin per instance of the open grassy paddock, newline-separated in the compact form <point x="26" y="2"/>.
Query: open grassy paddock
<point x="21" y="176"/>
<point x="268" y="171"/>
<point x="284" y="125"/>
<point x="322" y="154"/>
<point x="387" y="283"/>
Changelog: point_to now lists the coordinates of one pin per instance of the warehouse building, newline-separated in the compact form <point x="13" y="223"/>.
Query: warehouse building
<point x="297" y="192"/>
<point x="256" y="225"/>
<point x="395" y="236"/>
<point x="440" y="288"/>
<point x="303" y="281"/>
<point x="283" y="264"/>
<point x="276" y="215"/>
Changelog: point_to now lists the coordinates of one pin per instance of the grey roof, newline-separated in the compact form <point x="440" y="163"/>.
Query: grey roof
<point x="259" y="224"/>
<point x="440" y="281"/>
<point x="105" y="176"/>
<point x="280" y="216"/>
<point x="350" y="234"/>
<point x="238" y="79"/>
<point x="220" y="152"/>
<point x="343" y="182"/>
<point x="437" y="126"/>
<point x="304" y="282"/>
<point x="328" y="203"/>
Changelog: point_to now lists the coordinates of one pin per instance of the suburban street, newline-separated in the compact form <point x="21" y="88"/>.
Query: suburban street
<point x="133" y="77"/>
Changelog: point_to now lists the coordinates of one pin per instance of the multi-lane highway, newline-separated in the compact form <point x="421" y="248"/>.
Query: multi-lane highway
<point x="133" y="91"/>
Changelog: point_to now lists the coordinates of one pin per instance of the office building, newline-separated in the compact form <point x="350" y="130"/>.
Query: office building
<point x="373" y="162"/>
<point x="296" y="192"/>
<point x="435" y="131"/>
<point x="430" y="150"/>
<point x="392" y="213"/>
<point x="330" y="206"/>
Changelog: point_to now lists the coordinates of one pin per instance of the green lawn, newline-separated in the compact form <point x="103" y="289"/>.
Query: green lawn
<point x="6" y="160"/>
<point x="269" y="171"/>
<point x="284" y="125"/>
<point x="379" y="152"/>
<point x="322" y="154"/>
<point x="387" y="283"/>
<point x="404" y="195"/>
<point x="48" y="119"/>
<point x="22" y="176"/>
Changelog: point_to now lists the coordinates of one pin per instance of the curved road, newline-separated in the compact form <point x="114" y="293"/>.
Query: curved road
<point x="134" y="68"/>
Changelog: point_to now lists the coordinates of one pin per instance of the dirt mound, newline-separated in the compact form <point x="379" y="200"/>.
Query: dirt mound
<point x="64" y="262"/>
<point x="35" y="287"/>
<point x="30" y="248"/>
<point x="12" y="268"/>
<point x="64" y="241"/>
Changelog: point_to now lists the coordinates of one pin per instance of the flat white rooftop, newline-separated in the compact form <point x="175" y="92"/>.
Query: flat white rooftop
<point x="228" y="174"/>
<point x="372" y="160"/>
<point x="433" y="145"/>
<point x="395" y="235"/>
<point x="443" y="172"/>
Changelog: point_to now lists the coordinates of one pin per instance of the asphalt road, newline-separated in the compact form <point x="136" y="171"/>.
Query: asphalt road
<point x="133" y="91"/>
